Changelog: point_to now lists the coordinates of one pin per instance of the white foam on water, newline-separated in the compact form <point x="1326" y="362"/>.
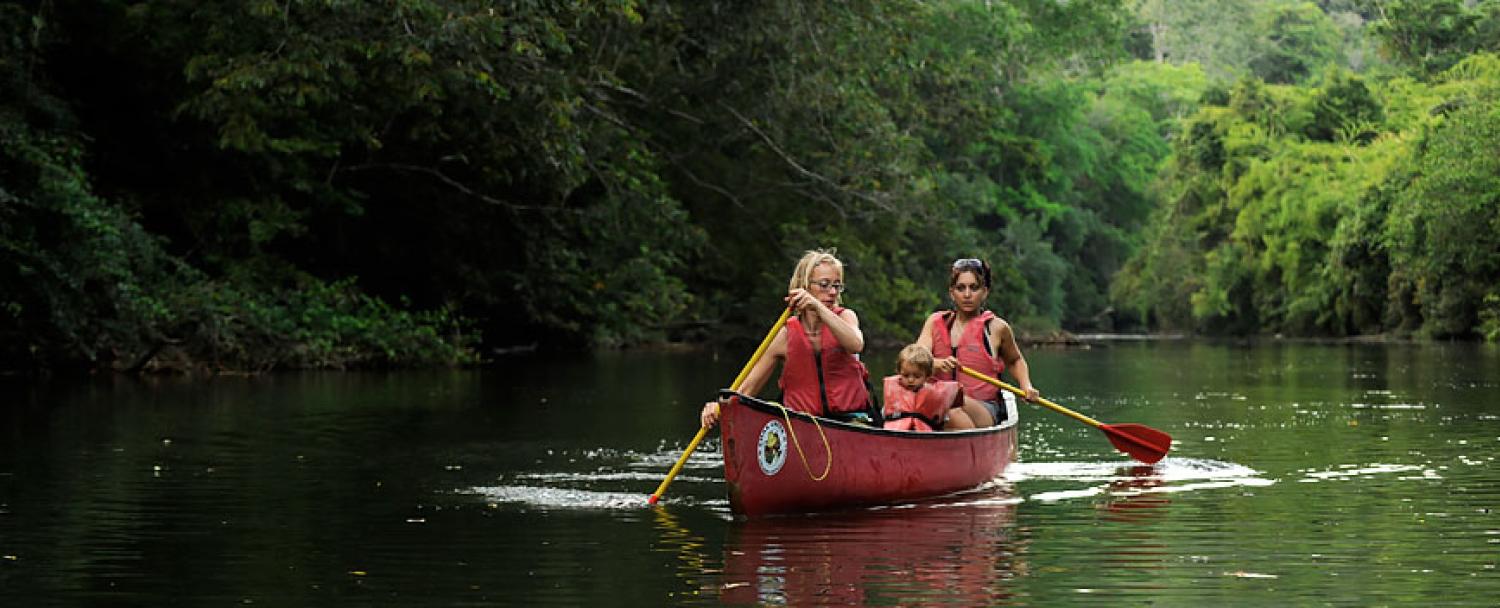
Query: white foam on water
<point x="983" y="502"/>
<point x="1243" y="574"/>
<point x="561" y="489"/>
<point x="1066" y="494"/>
<point x="1388" y="406"/>
<point x="1134" y="479"/>
<point x="1358" y="471"/>
<point x="705" y="457"/>
<point x="1168" y="470"/>
<point x="1205" y="485"/>
<point x="560" y="498"/>
<point x="610" y="476"/>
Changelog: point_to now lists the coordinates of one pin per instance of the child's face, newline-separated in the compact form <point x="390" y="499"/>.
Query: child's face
<point x="912" y="377"/>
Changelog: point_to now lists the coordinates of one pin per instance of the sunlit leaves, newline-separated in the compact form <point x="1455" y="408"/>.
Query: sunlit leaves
<point x="1443" y="228"/>
<point x="1383" y="221"/>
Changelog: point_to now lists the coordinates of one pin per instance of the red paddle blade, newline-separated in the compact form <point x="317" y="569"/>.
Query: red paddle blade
<point x="1141" y="442"/>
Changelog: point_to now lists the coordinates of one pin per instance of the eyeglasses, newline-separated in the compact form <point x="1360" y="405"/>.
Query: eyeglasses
<point x="827" y="285"/>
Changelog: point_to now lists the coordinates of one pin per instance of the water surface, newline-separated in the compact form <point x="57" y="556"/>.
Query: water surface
<point x="1303" y="474"/>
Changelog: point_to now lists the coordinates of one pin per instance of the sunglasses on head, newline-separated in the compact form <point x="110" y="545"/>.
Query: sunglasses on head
<point x="974" y="264"/>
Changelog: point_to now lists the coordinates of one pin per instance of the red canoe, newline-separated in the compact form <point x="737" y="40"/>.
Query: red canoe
<point x="767" y="475"/>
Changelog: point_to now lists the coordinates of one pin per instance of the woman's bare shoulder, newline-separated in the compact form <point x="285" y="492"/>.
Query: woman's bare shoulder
<point x="849" y="316"/>
<point x="1000" y="327"/>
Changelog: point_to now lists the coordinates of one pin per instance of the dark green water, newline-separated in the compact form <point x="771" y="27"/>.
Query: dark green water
<point x="1303" y="475"/>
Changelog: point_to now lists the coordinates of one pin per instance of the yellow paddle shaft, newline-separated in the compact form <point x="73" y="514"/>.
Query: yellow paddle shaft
<point x="738" y="380"/>
<point x="1055" y="407"/>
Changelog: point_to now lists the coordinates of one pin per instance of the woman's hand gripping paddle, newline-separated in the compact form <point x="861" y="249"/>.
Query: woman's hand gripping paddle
<point x="1141" y="442"/>
<point x="703" y="431"/>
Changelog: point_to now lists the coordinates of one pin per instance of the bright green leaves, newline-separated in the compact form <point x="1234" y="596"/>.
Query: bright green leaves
<point x="1345" y="208"/>
<point x="1345" y="110"/>
<point x="1442" y="229"/>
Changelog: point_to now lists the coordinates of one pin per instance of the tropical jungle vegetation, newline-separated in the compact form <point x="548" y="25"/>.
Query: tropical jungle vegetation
<point x="255" y="184"/>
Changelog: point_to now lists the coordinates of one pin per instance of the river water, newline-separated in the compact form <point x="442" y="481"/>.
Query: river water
<point x="1302" y="474"/>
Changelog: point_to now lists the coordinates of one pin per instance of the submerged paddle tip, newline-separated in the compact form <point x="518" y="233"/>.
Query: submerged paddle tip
<point x="652" y="500"/>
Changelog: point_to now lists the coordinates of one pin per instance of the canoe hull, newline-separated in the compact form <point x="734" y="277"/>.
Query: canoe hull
<point x="773" y="459"/>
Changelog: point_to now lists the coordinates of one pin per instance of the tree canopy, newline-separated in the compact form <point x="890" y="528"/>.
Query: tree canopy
<point x="312" y="183"/>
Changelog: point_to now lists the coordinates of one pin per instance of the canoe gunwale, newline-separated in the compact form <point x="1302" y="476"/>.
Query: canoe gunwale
<point x="767" y="407"/>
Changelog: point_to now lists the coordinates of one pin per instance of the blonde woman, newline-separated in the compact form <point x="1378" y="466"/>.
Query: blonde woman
<point x="821" y="372"/>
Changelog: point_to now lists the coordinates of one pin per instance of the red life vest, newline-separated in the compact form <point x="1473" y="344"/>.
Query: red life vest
<point x="831" y="381"/>
<point x="974" y="351"/>
<point x="922" y="410"/>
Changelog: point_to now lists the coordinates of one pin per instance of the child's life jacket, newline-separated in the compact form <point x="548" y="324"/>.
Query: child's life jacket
<point x="921" y="410"/>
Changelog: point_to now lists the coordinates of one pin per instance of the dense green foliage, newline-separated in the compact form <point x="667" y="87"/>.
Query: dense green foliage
<point x="1332" y="210"/>
<point x="245" y="185"/>
<point x="1339" y="205"/>
<point x="85" y="283"/>
<point x="1430" y="36"/>
<point x="606" y="173"/>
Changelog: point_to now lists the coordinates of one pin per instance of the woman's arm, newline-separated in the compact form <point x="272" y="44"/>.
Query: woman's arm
<point x="940" y="365"/>
<point x="1010" y="352"/>
<point x="754" y="380"/>
<point x="762" y="370"/>
<point x="845" y="325"/>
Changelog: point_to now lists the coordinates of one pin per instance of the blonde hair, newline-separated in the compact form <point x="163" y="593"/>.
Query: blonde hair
<point x="917" y="355"/>
<point x="802" y="275"/>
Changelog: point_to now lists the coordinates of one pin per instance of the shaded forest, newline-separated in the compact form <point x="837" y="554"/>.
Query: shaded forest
<point x="254" y="185"/>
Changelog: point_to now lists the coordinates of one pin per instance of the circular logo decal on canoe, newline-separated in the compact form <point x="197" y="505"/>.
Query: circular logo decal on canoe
<point x="771" y="449"/>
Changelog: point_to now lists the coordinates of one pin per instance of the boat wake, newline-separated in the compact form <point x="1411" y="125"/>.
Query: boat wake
<point x="607" y="480"/>
<point x="1131" y="479"/>
<point x="560" y="498"/>
<point x="1350" y="471"/>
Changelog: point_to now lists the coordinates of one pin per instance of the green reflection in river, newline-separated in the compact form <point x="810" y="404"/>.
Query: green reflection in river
<point x="1303" y="474"/>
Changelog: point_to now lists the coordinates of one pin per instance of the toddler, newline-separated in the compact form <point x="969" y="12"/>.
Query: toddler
<point x="913" y="400"/>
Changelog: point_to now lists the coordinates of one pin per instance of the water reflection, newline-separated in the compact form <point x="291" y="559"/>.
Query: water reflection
<point x="1134" y="503"/>
<point x="1306" y="475"/>
<point x="924" y="554"/>
<point x="675" y="537"/>
<point x="1131" y="497"/>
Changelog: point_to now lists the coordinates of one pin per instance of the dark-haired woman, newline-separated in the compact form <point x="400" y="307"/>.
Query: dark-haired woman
<point x="971" y="336"/>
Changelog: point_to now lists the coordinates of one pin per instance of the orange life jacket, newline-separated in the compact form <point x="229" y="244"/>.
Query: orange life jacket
<point x="974" y="351"/>
<point x="922" y="410"/>
<point x="830" y="382"/>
